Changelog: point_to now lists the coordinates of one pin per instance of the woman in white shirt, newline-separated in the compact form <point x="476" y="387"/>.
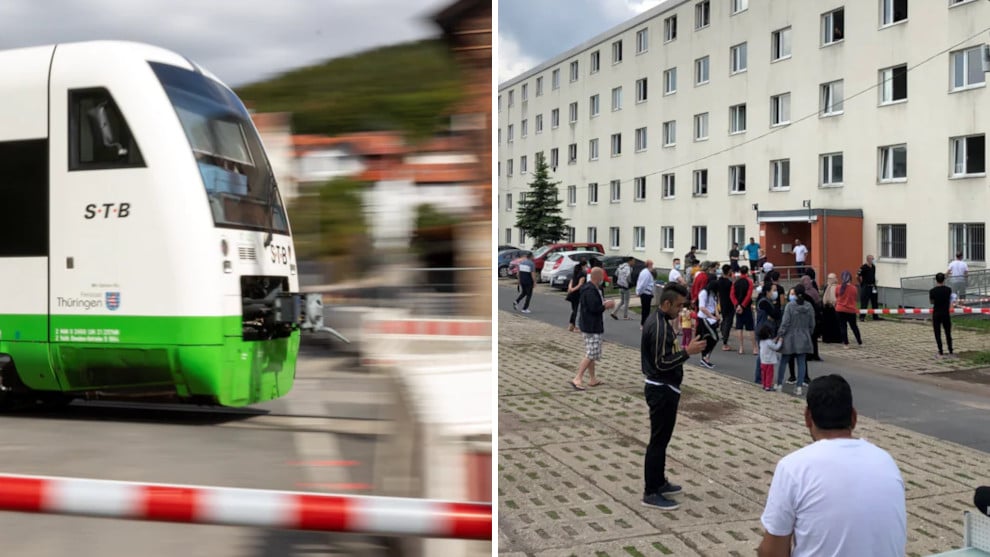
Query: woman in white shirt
<point x="708" y="321"/>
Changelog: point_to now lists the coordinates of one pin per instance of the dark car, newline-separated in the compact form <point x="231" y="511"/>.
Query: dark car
<point x="507" y="256"/>
<point x="504" y="247"/>
<point x="611" y="264"/>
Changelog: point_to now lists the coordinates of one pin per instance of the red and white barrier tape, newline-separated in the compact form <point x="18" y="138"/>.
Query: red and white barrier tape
<point x="432" y="327"/>
<point x="918" y="311"/>
<point x="246" y="507"/>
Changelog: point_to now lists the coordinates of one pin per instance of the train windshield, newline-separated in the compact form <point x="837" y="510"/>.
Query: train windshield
<point x="238" y="179"/>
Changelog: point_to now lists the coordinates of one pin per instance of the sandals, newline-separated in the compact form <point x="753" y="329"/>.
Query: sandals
<point x="596" y="383"/>
<point x="577" y="387"/>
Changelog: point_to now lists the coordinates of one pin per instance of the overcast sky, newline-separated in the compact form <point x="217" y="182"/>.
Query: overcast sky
<point x="241" y="41"/>
<point x="531" y="31"/>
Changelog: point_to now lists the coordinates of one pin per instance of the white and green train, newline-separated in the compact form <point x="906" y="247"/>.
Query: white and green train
<point x="144" y="247"/>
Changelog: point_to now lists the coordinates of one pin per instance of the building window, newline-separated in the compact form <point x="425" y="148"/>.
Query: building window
<point x="571" y="234"/>
<point x="701" y="71"/>
<point x="893" y="241"/>
<point x="737" y="118"/>
<point x="968" y="155"/>
<point x="508" y="167"/>
<point x="509" y="139"/>
<point x="893" y="84"/>
<point x="642" y="40"/>
<point x="893" y="11"/>
<point x="508" y="235"/>
<point x="615" y="188"/>
<point x="958" y="2"/>
<point x="525" y="92"/>
<point x="593" y="193"/>
<point x="833" y="26"/>
<point x="593" y="149"/>
<point x="523" y="196"/>
<point x="554" y="158"/>
<point x="702" y="14"/>
<point x="967" y="68"/>
<point x="780" y="44"/>
<point x="670" y="133"/>
<point x="780" y="174"/>
<point x="500" y="103"/>
<point x="522" y="237"/>
<point x="699" y="237"/>
<point x="593" y="105"/>
<point x="667" y="182"/>
<point x="667" y="238"/>
<point x="508" y="202"/>
<point x="522" y="164"/>
<point x="780" y="109"/>
<point x="613" y="237"/>
<point x="555" y="118"/>
<point x="640" y="139"/>
<point x="639" y="188"/>
<point x="670" y="29"/>
<point x="737" y="235"/>
<point x="572" y="153"/>
<point x="893" y="163"/>
<point x="617" y="52"/>
<point x="737" y="178"/>
<point x="616" y="144"/>
<point x="616" y="99"/>
<point x="641" y="90"/>
<point x="572" y="195"/>
<point x="970" y="239"/>
<point x="524" y="128"/>
<point x="739" y="6"/>
<point x="831" y="98"/>
<point x="539" y="86"/>
<point x="701" y="126"/>
<point x="639" y="238"/>
<point x="737" y="58"/>
<point x="831" y="170"/>
<point x="593" y="234"/>
<point x="555" y="79"/>
<point x="573" y="108"/>
<point x="596" y="61"/>
<point x="539" y="123"/>
<point x="700" y="182"/>
<point x="512" y="97"/>
<point x="574" y="71"/>
<point x="670" y="81"/>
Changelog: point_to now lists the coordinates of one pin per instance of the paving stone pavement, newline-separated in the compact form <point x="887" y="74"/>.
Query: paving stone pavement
<point x="570" y="463"/>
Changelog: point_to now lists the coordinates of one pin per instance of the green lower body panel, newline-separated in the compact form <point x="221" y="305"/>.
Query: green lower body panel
<point x="194" y="356"/>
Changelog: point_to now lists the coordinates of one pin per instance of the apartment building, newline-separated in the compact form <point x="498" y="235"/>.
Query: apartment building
<point x="858" y="127"/>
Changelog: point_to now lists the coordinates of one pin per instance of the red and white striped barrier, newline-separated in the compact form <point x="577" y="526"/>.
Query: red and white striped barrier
<point x="918" y="311"/>
<point x="246" y="507"/>
<point x="432" y="327"/>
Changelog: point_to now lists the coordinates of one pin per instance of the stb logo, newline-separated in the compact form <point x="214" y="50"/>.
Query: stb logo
<point x="113" y="300"/>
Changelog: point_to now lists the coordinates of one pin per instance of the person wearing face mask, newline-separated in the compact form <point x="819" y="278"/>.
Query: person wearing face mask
<point x="768" y="314"/>
<point x="795" y="329"/>
<point x="725" y="305"/>
<point x="676" y="275"/>
<point x="830" y="320"/>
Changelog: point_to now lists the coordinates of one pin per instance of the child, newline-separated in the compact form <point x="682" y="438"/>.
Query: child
<point x="769" y="356"/>
<point x="687" y="327"/>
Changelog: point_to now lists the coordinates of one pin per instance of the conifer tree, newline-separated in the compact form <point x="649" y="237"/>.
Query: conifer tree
<point x="539" y="214"/>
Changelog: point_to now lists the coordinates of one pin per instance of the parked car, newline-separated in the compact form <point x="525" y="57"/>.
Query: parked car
<point x="560" y="267"/>
<point x="504" y="247"/>
<point x="611" y="264"/>
<point x="505" y="257"/>
<point x="540" y="256"/>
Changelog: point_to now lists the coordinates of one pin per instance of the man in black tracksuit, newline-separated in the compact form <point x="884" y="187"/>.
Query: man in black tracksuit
<point x="724" y="291"/>
<point x="941" y="300"/>
<point x="663" y="368"/>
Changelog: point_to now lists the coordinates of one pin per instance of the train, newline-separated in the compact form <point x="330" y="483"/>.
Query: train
<point x="145" y="251"/>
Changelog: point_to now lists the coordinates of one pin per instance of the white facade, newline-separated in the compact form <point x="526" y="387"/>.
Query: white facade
<point x="933" y="199"/>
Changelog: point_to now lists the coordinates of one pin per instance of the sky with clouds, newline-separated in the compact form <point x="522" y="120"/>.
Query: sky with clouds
<point x="531" y="31"/>
<point x="241" y="41"/>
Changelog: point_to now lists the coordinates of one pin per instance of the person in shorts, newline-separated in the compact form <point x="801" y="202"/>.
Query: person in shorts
<point x="742" y="302"/>
<point x="591" y="322"/>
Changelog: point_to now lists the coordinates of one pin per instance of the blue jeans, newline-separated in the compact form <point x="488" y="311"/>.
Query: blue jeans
<point x="802" y="365"/>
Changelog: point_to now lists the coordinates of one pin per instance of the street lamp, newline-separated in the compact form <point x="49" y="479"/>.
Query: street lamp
<point x="807" y="203"/>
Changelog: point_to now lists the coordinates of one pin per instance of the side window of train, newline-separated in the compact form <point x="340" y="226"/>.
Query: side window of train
<point x="99" y="137"/>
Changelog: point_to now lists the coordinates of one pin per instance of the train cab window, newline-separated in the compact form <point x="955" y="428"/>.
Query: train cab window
<point x="99" y="137"/>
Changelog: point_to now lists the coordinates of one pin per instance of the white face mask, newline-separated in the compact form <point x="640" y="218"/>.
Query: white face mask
<point x="774" y="295"/>
<point x="792" y="298"/>
<point x="677" y="266"/>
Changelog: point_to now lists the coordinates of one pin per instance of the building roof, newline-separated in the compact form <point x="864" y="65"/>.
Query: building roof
<point x="362" y="143"/>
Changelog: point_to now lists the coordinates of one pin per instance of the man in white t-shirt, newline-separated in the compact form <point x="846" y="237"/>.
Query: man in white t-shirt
<point x="838" y="496"/>
<point x="675" y="274"/>
<point x="957" y="275"/>
<point x="800" y="252"/>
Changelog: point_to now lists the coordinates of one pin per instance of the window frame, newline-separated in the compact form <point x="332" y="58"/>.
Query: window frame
<point x="827" y="90"/>
<point x="575" y="71"/>
<point x="737" y="179"/>
<point x="776" y="167"/>
<point x="614" y="237"/>
<point x="670" y="81"/>
<point x="667" y="240"/>
<point x="965" y="157"/>
<point x="669" y="133"/>
<point x="594" y="105"/>
<point x="639" y="238"/>
<point x="639" y="188"/>
<point x="966" y="246"/>
<point x="702" y="15"/>
<point x="826" y="162"/>
<point x="642" y="90"/>
<point x="668" y="185"/>
<point x="885" y="82"/>
<point x="670" y="29"/>
<point x="699" y="120"/>
<point x="776" y="44"/>
<point x="593" y="149"/>
<point x="617" y="52"/>
<point x="829" y="17"/>
<point x="776" y="108"/>
<point x="615" y="191"/>
<point x="884" y="24"/>
<point x="616" y="98"/>
<point x="738" y="63"/>
<point x="705" y="63"/>
<point x="595" y="62"/>
<point x="890" y="228"/>
<point x="964" y="53"/>
<point x="699" y="189"/>
<point x="734" y="112"/>
<point x="592" y="234"/>
<point x="885" y="161"/>
<point x="592" y="193"/>
<point x="641" y="143"/>
<point x="699" y="237"/>
<point x="572" y="196"/>
<point x="616" y="144"/>
<point x="98" y="96"/>
<point x="643" y="40"/>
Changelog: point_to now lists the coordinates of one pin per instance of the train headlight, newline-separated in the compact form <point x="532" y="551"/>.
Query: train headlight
<point x="227" y="267"/>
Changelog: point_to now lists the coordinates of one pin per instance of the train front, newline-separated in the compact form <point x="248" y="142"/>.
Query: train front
<point x="254" y="257"/>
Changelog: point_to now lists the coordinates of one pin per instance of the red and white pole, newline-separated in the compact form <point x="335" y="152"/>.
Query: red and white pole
<point x="247" y="507"/>
<point x="918" y="311"/>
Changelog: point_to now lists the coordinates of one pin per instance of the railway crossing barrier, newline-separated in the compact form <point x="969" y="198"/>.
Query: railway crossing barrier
<point x="387" y="516"/>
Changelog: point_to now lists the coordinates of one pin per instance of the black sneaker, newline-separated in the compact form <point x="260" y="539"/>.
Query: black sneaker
<point x="515" y="306"/>
<point x="791" y="380"/>
<point x="706" y="363"/>
<point x="670" y="489"/>
<point x="658" y="501"/>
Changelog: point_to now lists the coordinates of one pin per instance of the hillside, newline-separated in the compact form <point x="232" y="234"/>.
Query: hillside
<point x="409" y="87"/>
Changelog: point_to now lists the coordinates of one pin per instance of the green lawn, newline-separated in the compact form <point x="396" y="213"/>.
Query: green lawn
<point x="972" y="323"/>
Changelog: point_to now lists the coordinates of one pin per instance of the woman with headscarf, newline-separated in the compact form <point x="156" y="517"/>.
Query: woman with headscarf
<point x="811" y="293"/>
<point x="795" y="330"/>
<point x="847" y="308"/>
<point x="829" y="327"/>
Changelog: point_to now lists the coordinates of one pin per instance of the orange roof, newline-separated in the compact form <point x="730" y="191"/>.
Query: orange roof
<point x="267" y="120"/>
<point x="364" y="143"/>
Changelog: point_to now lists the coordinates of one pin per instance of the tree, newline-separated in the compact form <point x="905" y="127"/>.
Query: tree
<point x="539" y="214"/>
<point x="330" y="222"/>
